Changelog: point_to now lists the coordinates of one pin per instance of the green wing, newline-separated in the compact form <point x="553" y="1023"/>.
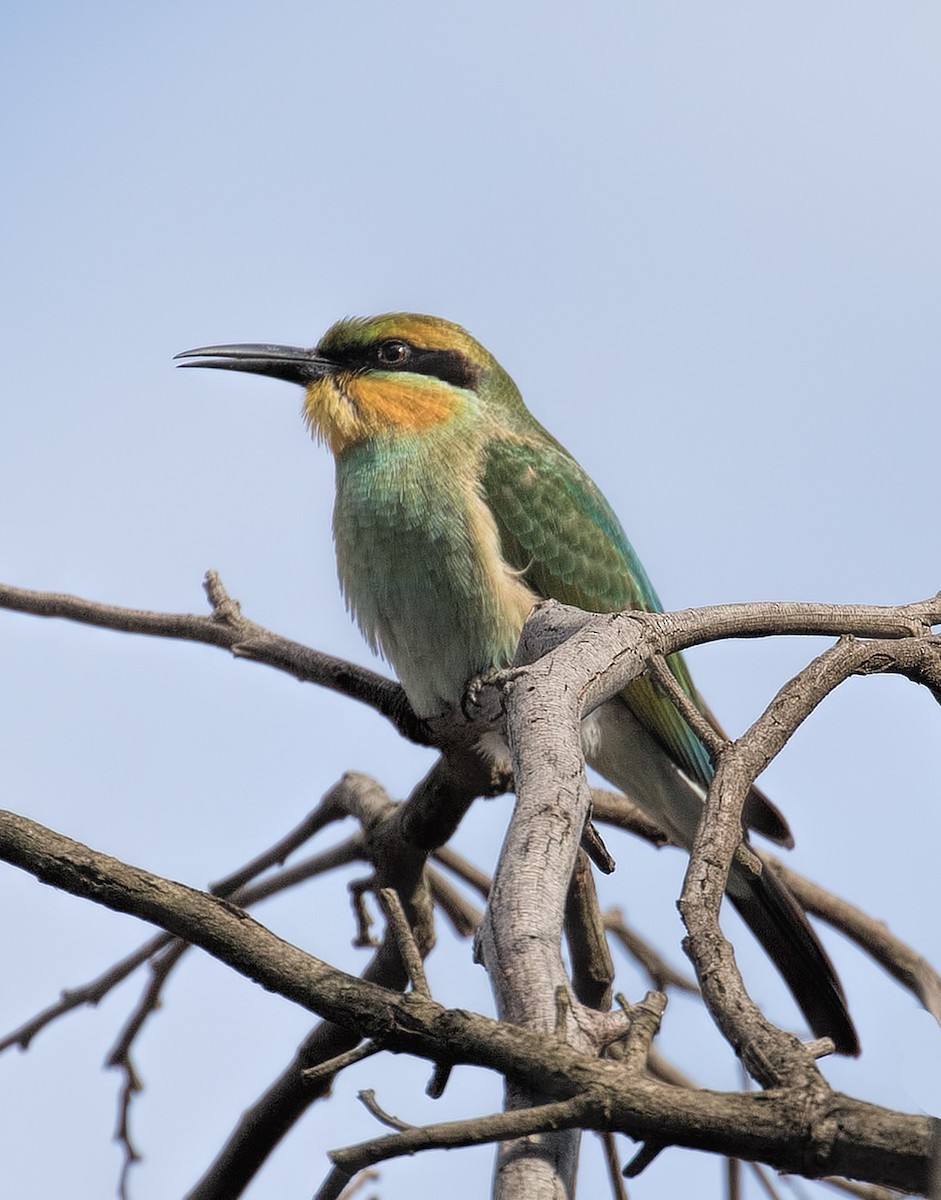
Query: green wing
<point x="560" y="532"/>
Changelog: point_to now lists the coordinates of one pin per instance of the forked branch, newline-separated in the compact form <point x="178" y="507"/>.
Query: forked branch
<point x="549" y="1052"/>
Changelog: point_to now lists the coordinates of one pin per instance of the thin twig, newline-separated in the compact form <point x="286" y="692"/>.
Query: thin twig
<point x="122" y="1134"/>
<point x="612" y="1163"/>
<point x="863" y="1191"/>
<point x="334" y="1186"/>
<point x="358" y="889"/>
<point x="353" y="850"/>
<point x="714" y="742"/>
<point x="449" y="1135"/>
<point x="900" y="960"/>
<point x="661" y="974"/>
<point x="613" y="808"/>
<point x="643" y="1158"/>
<point x="332" y="1066"/>
<point x="597" y="851"/>
<point x="358" y="1182"/>
<point x="405" y="940"/>
<point x="89" y="993"/>
<point x="439" y="1080"/>
<point x="733" y="1178"/>
<point x="463" y="916"/>
<point x="592" y="970"/>
<point x="341" y="1185"/>
<point x="368" y="1098"/>
<point x="119" y="1057"/>
<point x="160" y="967"/>
<point x="327" y="811"/>
<point x="471" y="875"/>
<point x="93" y="992"/>
<point x="644" y="1026"/>
<point x="764" y="1181"/>
<point x="227" y="628"/>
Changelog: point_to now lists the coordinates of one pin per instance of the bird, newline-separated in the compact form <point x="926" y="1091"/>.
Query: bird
<point x="455" y="513"/>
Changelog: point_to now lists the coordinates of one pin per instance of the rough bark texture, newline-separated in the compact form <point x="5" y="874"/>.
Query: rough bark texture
<point x="568" y="1064"/>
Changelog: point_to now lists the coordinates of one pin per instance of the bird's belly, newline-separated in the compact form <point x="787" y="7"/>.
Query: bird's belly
<point x="425" y="580"/>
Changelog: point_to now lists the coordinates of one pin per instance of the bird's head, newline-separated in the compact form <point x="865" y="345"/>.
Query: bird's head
<point x="397" y="373"/>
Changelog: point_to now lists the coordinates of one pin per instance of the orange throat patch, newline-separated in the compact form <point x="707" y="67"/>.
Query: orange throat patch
<point x="348" y="407"/>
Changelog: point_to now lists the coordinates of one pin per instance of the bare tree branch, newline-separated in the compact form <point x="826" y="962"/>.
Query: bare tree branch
<point x="368" y="1099"/>
<point x="613" y="1165"/>
<point x="449" y="1135"/>
<point x="404" y="940"/>
<point x="788" y="1129"/>
<point x="227" y="628"/>
<point x="761" y="1175"/>
<point x="901" y="961"/>
<point x="471" y="875"/>
<point x="245" y="896"/>
<point x="661" y="974"/>
<point x="333" y="1066"/>
<point x="591" y="966"/>
<point x="770" y="1054"/>
<point x="549" y="1044"/>
<point x="463" y="916"/>
<point x="862" y="1191"/>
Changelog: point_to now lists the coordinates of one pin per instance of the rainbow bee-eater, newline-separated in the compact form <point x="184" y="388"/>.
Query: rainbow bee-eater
<point x="455" y="512"/>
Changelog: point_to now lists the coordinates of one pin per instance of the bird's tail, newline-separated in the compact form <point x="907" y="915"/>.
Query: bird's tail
<point x="770" y="910"/>
<point x="620" y="748"/>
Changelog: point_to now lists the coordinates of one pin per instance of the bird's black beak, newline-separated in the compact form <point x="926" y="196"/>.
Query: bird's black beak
<point x="282" y="362"/>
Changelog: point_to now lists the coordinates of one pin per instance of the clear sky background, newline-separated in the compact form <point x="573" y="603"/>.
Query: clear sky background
<point x="704" y="238"/>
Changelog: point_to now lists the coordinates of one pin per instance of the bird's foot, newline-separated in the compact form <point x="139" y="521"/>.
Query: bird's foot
<point x="472" y="700"/>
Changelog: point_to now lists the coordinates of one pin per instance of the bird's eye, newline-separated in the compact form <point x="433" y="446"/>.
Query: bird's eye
<point x="393" y="352"/>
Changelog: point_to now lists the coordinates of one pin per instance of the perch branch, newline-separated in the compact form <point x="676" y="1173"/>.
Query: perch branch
<point x="769" y="1054"/>
<point x="227" y="628"/>
<point x="789" y="1129"/>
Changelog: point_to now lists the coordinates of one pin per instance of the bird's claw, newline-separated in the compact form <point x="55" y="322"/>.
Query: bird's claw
<point x="470" y="701"/>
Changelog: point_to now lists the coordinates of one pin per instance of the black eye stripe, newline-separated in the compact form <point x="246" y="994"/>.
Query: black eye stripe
<point x="450" y="366"/>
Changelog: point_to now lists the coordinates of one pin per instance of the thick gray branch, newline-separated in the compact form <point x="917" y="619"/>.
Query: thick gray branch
<point x="786" y="1128"/>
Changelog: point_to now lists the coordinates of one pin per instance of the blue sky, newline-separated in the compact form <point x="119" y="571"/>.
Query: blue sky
<point x="703" y="239"/>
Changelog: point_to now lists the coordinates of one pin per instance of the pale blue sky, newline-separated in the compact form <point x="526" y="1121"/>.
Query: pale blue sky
<point x="704" y="240"/>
